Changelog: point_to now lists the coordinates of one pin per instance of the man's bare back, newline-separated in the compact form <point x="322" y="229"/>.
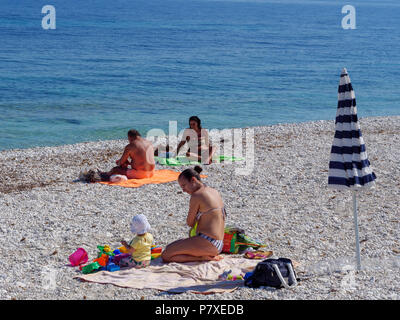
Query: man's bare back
<point x="141" y="153"/>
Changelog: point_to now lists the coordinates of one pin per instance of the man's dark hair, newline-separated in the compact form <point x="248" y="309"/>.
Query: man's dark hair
<point x="133" y="133"/>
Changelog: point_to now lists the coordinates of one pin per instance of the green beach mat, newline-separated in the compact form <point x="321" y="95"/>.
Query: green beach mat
<point x="182" y="160"/>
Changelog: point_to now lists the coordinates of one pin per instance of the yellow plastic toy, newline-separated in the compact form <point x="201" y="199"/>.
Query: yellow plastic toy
<point x="123" y="249"/>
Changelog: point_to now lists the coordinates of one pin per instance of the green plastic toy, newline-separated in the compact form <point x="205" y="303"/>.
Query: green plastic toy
<point x="91" y="267"/>
<point x="105" y="250"/>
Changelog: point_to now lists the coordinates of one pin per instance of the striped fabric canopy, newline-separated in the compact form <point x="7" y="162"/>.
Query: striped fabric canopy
<point x="349" y="167"/>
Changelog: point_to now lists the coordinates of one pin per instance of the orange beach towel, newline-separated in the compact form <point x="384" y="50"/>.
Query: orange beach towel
<point x="160" y="176"/>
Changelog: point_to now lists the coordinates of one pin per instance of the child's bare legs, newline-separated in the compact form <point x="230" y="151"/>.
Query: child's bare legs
<point x="129" y="262"/>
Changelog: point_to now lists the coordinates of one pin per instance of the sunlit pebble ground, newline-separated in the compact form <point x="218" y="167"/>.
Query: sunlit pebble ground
<point x="284" y="202"/>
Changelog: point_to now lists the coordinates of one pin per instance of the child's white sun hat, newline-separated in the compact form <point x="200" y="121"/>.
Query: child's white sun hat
<point x="139" y="224"/>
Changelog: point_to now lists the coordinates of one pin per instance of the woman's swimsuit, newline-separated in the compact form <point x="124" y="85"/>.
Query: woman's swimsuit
<point x="202" y="141"/>
<point x="139" y="174"/>
<point x="217" y="243"/>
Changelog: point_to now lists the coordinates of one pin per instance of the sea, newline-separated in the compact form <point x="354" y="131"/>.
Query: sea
<point x="91" y="70"/>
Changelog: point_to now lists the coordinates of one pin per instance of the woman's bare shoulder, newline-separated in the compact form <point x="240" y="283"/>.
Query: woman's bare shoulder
<point x="207" y="195"/>
<point x="198" y="194"/>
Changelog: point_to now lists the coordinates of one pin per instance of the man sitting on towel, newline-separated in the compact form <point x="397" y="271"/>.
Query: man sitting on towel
<point x="141" y="153"/>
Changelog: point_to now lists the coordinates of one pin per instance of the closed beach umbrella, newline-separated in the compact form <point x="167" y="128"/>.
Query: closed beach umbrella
<point x="349" y="167"/>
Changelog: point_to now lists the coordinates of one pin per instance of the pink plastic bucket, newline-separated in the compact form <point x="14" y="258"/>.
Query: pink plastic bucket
<point x="80" y="256"/>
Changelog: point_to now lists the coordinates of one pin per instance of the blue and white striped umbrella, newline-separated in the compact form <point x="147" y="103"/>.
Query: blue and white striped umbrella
<point x="349" y="167"/>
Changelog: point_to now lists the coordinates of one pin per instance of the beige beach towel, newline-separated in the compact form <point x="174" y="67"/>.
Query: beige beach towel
<point x="196" y="277"/>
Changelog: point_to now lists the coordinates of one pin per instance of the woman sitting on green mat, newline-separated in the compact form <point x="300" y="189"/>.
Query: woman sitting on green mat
<point x="206" y="208"/>
<point x="200" y="147"/>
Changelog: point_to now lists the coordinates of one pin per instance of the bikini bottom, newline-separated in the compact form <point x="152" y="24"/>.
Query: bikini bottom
<point x="216" y="243"/>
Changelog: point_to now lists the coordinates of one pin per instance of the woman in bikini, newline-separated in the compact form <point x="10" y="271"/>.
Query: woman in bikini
<point x="200" y="147"/>
<point x="207" y="209"/>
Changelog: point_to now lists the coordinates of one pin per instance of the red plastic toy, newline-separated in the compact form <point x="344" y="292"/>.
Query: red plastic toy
<point x="103" y="260"/>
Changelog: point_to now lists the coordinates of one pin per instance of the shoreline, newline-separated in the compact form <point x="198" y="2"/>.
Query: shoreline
<point x="284" y="202"/>
<point x="123" y="139"/>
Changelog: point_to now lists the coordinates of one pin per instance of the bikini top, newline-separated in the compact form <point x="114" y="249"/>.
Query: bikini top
<point x="199" y="214"/>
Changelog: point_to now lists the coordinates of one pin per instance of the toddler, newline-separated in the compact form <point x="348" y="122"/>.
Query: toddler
<point x="139" y="249"/>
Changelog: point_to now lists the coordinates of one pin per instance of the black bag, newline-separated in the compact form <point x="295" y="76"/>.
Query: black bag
<point x="275" y="273"/>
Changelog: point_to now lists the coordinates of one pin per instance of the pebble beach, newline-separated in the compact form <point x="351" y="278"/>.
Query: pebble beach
<point x="283" y="201"/>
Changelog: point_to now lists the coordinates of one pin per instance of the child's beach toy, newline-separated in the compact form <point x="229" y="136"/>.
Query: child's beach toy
<point x="103" y="260"/>
<point x="227" y="275"/>
<point x="107" y="260"/>
<point x="117" y="258"/>
<point x="90" y="267"/>
<point x="123" y="249"/>
<point x="79" y="257"/>
<point x="155" y="252"/>
<point x="155" y="255"/>
<point x="104" y="250"/>
<point x="156" y="249"/>
<point x="224" y="275"/>
<point x="234" y="278"/>
<point x="112" y="267"/>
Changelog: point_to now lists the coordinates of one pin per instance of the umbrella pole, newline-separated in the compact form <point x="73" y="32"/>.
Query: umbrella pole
<point x="356" y="229"/>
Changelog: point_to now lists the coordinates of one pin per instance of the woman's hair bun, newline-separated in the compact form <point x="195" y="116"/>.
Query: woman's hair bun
<point x="198" y="169"/>
<point x="190" y="173"/>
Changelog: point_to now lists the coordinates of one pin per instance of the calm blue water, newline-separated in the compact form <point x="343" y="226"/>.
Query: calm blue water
<point x="114" y="65"/>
